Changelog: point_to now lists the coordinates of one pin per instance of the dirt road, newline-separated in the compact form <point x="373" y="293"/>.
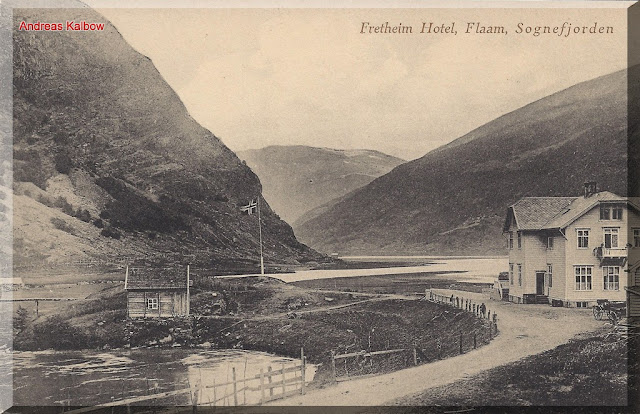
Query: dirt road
<point x="524" y="330"/>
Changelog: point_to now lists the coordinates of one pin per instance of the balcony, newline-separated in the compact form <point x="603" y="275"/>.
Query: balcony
<point x="611" y="255"/>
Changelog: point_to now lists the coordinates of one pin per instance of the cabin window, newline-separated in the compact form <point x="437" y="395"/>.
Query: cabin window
<point x="549" y="243"/>
<point x="611" y="237"/>
<point x="605" y="213"/>
<point x="636" y="237"/>
<point x="611" y="277"/>
<point x="519" y="275"/>
<point x="511" y="273"/>
<point x="616" y="213"/>
<point x="152" y="303"/>
<point x="550" y="275"/>
<point x="519" y="240"/>
<point x="583" y="238"/>
<point x="510" y="240"/>
<point x="583" y="277"/>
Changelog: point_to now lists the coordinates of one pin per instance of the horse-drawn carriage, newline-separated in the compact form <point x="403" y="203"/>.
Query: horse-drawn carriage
<point x="614" y="311"/>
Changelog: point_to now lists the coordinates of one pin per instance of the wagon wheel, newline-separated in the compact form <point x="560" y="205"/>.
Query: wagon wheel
<point x="613" y="317"/>
<point x="597" y="313"/>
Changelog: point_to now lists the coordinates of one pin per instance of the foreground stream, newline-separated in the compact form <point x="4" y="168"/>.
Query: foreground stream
<point x="80" y="378"/>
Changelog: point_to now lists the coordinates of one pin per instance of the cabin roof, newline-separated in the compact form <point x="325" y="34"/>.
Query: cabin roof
<point x="155" y="278"/>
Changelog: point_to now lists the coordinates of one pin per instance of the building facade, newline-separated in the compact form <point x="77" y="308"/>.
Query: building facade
<point x="157" y="293"/>
<point x="571" y="251"/>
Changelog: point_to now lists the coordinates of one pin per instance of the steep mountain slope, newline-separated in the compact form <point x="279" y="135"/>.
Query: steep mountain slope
<point x="453" y="200"/>
<point x="109" y="164"/>
<point x="298" y="178"/>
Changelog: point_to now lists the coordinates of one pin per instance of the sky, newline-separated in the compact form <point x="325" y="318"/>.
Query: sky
<point x="285" y="76"/>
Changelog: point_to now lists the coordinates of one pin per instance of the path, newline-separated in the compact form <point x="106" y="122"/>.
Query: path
<point x="524" y="330"/>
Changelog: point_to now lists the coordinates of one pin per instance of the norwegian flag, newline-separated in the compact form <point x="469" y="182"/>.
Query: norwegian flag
<point x="250" y="208"/>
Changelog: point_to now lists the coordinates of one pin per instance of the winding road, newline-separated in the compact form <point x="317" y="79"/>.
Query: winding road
<point x="524" y="330"/>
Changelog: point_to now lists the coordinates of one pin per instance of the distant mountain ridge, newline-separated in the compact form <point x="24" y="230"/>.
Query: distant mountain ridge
<point x="453" y="200"/>
<point x="109" y="164"/>
<point x="296" y="178"/>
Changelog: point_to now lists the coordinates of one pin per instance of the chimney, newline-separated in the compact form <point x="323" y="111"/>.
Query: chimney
<point x="590" y="188"/>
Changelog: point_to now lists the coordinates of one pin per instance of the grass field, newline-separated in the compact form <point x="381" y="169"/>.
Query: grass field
<point x="589" y="371"/>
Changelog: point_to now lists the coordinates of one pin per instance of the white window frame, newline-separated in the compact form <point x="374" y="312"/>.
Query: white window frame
<point x="612" y="231"/>
<point x="585" y="285"/>
<point x="550" y="275"/>
<point x="519" y="235"/>
<point x="636" y="237"/>
<point x="604" y="209"/>
<point x="152" y="304"/>
<point x="550" y="242"/>
<point x="611" y="278"/>
<point x="510" y="240"/>
<point x="511" y="273"/>
<point x="585" y="235"/>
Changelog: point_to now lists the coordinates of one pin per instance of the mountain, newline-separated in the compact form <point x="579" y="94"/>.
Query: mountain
<point x="108" y="163"/>
<point x="453" y="200"/>
<point x="297" y="179"/>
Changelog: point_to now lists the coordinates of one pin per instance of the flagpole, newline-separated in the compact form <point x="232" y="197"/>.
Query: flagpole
<point x="260" y="233"/>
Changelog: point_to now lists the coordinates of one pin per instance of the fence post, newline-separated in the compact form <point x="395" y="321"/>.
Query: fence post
<point x="333" y="366"/>
<point x="415" y="354"/>
<point x="235" y="386"/>
<point x="270" y="381"/>
<point x="302" y="369"/>
<point x="261" y="386"/>
<point x="475" y="340"/>
<point x="490" y="329"/>
<point x="460" y="341"/>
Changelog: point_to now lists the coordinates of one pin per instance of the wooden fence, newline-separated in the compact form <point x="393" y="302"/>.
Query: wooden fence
<point x="269" y="385"/>
<point x="357" y="364"/>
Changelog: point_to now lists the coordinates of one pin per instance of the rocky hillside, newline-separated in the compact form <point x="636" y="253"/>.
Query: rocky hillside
<point x="453" y="200"/>
<point x="297" y="179"/>
<point x="109" y="164"/>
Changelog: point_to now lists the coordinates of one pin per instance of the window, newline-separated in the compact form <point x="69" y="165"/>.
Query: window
<point x="583" y="238"/>
<point x="583" y="277"/>
<point x="611" y="277"/>
<point x="519" y="240"/>
<point x="510" y="240"/>
<point x="636" y="237"/>
<point x="511" y="273"/>
<point x="610" y="237"/>
<point x="616" y="213"/>
<point x="550" y="275"/>
<point x="605" y="213"/>
<point x="519" y="275"/>
<point x="152" y="303"/>
<point x="549" y="243"/>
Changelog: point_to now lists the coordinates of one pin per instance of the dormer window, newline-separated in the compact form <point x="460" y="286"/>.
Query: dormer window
<point x="616" y="213"/>
<point x="605" y="213"/>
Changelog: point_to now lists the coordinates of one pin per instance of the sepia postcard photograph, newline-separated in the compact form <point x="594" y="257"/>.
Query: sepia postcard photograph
<point x="286" y="206"/>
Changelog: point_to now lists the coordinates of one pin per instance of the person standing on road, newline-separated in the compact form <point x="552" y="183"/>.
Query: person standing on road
<point x="483" y="310"/>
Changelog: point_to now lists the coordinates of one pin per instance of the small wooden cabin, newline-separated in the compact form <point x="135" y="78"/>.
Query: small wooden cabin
<point x="157" y="292"/>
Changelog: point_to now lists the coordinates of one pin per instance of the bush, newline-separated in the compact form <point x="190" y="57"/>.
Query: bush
<point x="62" y="225"/>
<point x="83" y="215"/>
<point x="111" y="232"/>
<point x="64" y="205"/>
<point x="57" y="333"/>
<point x="98" y="223"/>
<point x="63" y="163"/>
